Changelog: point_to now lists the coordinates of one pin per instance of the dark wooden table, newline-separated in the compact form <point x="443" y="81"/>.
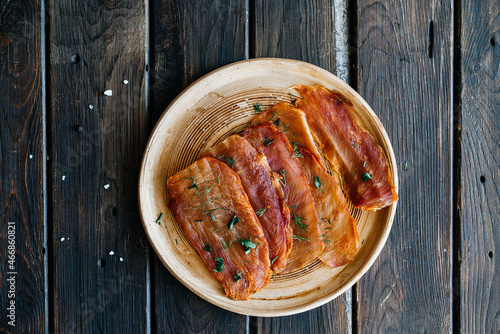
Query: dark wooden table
<point x="70" y="156"/>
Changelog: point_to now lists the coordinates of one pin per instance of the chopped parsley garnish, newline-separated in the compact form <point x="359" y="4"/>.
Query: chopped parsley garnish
<point x="292" y="100"/>
<point x="366" y="177"/>
<point x="297" y="153"/>
<point x="298" y="221"/>
<point x="233" y="221"/>
<point x="218" y="179"/>
<point x="364" y="163"/>
<point x="283" y="173"/>
<point x="194" y="185"/>
<point x="224" y="244"/>
<point x="207" y="189"/>
<point x="273" y="116"/>
<point x="296" y="237"/>
<point x="158" y="221"/>
<point x="208" y="248"/>
<point x="277" y="122"/>
<point x="268" y="141"/>
<point x="317" y="182"/>
<point x="326" y="238"/>
<point x="257" y="106"/>
<point x="405" y="165"/>
<point x="230" y="162"/>
<point x="327" y="220"/>
<point x="293" y="207"/>
<point x="274" y="259"/>
<point x="176" y="242"/>
<point x="237" y="277"/>
<point x="356" y="145"/>
<point x="260" y="212"/>
<point x="215" y="230"/>
<point x="211" y="212"/>
<point x="248" y="244"/>
<point x="219" y="264"/>
<point x="286" y="126"/>
<point x="197" y="221"/>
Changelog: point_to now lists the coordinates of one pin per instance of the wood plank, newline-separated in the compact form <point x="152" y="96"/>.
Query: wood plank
<point x="22" y="247"/>
<point x="479" y="210"/>
<point x="302" y="30"/>
<point x="190" y="38"/>
<point x="95" y="155"/>
<point x="408" y="289"/>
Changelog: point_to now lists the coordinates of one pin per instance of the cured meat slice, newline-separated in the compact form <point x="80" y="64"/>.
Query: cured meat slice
<point x="337" y="226"/>
<point x="292" y="122"/>
<point x="274" y="145"/>
<point x="264" y="193"/>
<point x="212" y="209"/>
<point x="350" y="148"/>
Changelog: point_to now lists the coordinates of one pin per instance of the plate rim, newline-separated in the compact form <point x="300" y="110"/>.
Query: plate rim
<point x="385" y="233"/>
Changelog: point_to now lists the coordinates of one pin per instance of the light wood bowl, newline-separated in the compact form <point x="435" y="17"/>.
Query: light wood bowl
<point x="211" y="109"/>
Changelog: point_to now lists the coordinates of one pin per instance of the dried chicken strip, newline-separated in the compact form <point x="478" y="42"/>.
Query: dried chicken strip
<point x="264" y="193"/>
<point x="274" y="145"/>
<point x="350" y="148"/>
<point x="212" y="208"/>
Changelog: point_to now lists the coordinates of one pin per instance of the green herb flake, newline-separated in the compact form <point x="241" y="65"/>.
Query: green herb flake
<point x="283" y="173"/>
<point x="219" y="265"/>
<point x="198" y="220"/>
<point x="268" y="141"/>
<point x="257" y="106"/>
<point x="297" y="153"/>
<point x="233" y="221"/>
<point x="277" y="122"/>
<point x="176" y="243"/>
<point x="218" y="179"/>
<point x="224" y="244"/>
<point x="273" y="116"/>
<point x="248" y="244"/>
<point x="327" y="220"/>
<point x="274" y="259"/>
<point x="364" y="163"/>
<point x="260" y="212"/>
<point x="317" y="182"/>
<point x="237" y="277"/>
<point x="292" y="100"/>
<point x="208" y="248"/>
<point x="229" y="162"/>
<point x="298" y="221"/>
<point x="405" y="165"/>
<point x="286" y="126"/>
<point x="194" y="185"/>
<point x="300" y="239"/>
<point x="356" y="145"/>
<point x="326" y="238"/>
<point x="207" y="189"/>
<point x="158" y="221"/>
<point x="366" y="177"/>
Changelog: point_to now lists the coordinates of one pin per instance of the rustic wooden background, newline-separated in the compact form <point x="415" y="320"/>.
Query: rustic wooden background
<point x="430" y="69"/>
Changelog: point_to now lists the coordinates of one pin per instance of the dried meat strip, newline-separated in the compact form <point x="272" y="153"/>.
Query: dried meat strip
<point x="212" y="208"/>
<point x="274" y="145"/>
<point x="264" y="193"/>
<point x="349" y="147"/>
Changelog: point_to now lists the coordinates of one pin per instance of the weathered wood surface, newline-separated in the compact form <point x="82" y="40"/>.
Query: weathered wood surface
<point x="448" y="196"/>
<point x="190" y="38"/>
<point x="479" y="210"/>
<point x="278" y="29"/>
<point x="21" y="169"/>
<point x="409" y="287"/>
<point x="95" y="150"/>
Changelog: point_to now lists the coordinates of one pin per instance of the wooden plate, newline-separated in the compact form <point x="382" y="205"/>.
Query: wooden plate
<point x="214" y="107"/>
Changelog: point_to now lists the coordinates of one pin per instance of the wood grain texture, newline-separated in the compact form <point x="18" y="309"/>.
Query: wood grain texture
<point x="301" y="30"/>
<point x="480" y="172"/>
<point x="21" y="168"/>
<point x="408" y="288"/>
<point x="97" y="145"/>
<point x="190" y="38"/>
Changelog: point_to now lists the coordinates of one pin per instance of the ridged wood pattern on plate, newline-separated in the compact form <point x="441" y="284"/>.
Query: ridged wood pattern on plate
<point x="21" y="169"/>
<point x="190" y="38"/>
<point x="479" y="209"/>
<point x="96" y="149"/>
<point x="409" y="287"/>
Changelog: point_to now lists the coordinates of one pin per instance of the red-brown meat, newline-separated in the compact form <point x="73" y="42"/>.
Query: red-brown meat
<point x="206" y="198"/>
<point x="274" y="145"/>
<point x="350" y="148"/>
<point x="264" y="193"/>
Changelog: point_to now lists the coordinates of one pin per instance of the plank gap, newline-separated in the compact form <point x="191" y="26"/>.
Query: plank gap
<point x="456" y="115"/>
<point x="430" y="38"/>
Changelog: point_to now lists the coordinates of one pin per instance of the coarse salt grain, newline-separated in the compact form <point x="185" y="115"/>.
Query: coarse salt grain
<point x="111" y="253"/>
<point x="121" y="259"/>
<point x="125" y="82"/>
<point x="62" y="239"/>
<point x="108" y="92"/>
<point x="106" y="186"/>
<point x="31" y="156"/>
<point x="91" y="106"/>
<point x="64" y="177"/>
